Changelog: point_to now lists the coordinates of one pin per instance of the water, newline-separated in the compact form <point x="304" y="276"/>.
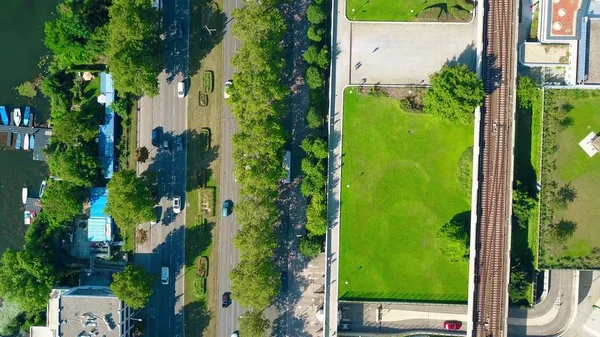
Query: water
<point x="21" y="46"/>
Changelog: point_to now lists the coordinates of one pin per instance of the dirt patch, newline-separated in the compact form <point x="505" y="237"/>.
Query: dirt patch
<point x="411" y="99"/>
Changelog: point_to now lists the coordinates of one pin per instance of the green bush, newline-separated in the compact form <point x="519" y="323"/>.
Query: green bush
<point x="315" y="14"/>
<point x="27" y="89"/>
<point x="207" y="82"/>
<point x="202" y="99"/>
<point x="204" y="139"/>
<point x="310" y="246"/>
<point x="314" y="79"/>
<point x="314" y="119"/>
<point x="315" y="33"/>
<point x="203" y="266"/>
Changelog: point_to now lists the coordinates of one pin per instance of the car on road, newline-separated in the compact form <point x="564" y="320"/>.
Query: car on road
<point x="164" y="275"/>
<point x="226" y="93"/>
<point x="452" y="325"/>
<point x="179" y="143"/>
<point x="165" y="145"/>
<point x="181" y="89"/>
<point x="235" y="334"/>
<point x="176" y="205"/>
<point x="155" y="137"/>
<point x="226" y="300"/>
<point x="227" y="206"/>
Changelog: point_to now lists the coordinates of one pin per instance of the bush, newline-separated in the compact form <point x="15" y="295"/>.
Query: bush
<point x="203" y="266"/>
<point x="27" y="89"/>
<point x="206" y="201"/>
<point x="310" y="246"/>
<point x="202" y="99"/>
<point x="314" y="119"/>
<point x="314" y="78"/>
<point x="454" y="240"/>
<point x="315" y="33"/>
<point x="207" y="82"/>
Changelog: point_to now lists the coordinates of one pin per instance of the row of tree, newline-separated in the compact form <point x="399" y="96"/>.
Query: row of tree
<point x="314" y="164"/>
<point x="257" y="98"/>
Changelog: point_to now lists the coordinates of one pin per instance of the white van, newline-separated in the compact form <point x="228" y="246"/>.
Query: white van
<point x="181" y="89"/>
<point x="164" y="275"/>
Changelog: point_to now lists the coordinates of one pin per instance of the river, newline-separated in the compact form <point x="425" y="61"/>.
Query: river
<point x="21" y="35"/>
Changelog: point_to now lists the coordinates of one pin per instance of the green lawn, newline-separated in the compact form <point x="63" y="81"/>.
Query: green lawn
<point x="411" y="10"/>
<point x="574" y="166"/>
<point x="391" y="213"/>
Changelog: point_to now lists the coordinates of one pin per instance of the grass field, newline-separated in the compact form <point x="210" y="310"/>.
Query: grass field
<point x="403" y="175"/>
<point x="202" y="167"/>
<point x="571" y="165"/>
<point x="411" y="10"/>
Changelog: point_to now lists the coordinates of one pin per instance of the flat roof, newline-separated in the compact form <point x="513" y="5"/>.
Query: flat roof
<point x="545" y="53"/>
<point x="99" y="224"/>
<point x="87" y="310"/>
<point x="106" y="144"/>
<point x="593" y="52"/>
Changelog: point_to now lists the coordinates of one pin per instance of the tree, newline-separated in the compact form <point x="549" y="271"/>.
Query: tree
<point x="455" y="92"/>
<point x="453" y="241"/>
<point x="10" y="314"/>
<point x="27" y="89"/>
<point x="63" y="201"/>
<point x="76" y="164"/>
<point x="315" y="33"/>
<point x="526" y="93"/>
<point x="133" y="286"/>
<point x="129" y="200"/>
<point x="310" y="246"/>
<point x="76" y="126"/>
<point x="253" y="323"/>
<point x="316" y="215"/>
<point x="255" y="283"/>
<point x="314" y="78"/>
<point x="134" y="46"/>
<point x="315" y="14"/>
<point x="142" y="154"/>
<point x="314" y="119"/>
<point x="519" y="284"/>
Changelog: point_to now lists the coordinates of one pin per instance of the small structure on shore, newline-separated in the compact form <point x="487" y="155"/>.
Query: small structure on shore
<point x="590" y="144"/>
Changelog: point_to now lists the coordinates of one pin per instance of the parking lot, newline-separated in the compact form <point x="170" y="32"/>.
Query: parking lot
<point x="392" y="53"/>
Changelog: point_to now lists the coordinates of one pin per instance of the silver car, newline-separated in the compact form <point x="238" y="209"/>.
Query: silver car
<point x="177" y="205"/>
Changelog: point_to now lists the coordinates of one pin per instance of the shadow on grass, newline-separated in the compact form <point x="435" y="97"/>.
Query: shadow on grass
<point x="206" y="31"/>
<point x="198" y="165"/>
<point x="197" y="239"/>
<point x="404" y="297"/>
<point x="197" y="318"/>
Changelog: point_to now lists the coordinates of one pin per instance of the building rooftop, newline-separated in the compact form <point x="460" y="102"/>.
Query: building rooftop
<point x="99" y="224"/>
<point x="106" y="143"/>
<point x="593" y="64"/>
<point x="545" y="53"/>
<point x="564" y="18"/>
<point x="86" y="311"/>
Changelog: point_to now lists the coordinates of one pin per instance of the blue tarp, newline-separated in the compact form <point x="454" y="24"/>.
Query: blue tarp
<point x="99" y="224"/>
<point x="107" y="131"/>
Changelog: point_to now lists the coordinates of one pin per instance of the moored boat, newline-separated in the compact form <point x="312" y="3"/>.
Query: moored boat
<point x="26" y="142"/>
<point x="42" y="189"/>
<point x="26" y="116"/>
<point x="3" y="115"/>
<point x="31" y="142"/>
<point x="19" y="141"/>
<point x="24" y="195"/>
<point x="17" y="116"/>
<point x="28" y="217"/>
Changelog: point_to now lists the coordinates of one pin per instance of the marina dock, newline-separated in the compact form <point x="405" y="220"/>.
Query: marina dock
<point x="41" y="135"/>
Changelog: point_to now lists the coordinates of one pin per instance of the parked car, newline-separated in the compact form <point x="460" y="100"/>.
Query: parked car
<point x="226" y="93"/>
<point x="176" y="205"/>
<point x="179" y="143"/>
<point x="227" y="205"/>
<point x="226" y="301"/>
<point x="452" y="325"/>
<point x="155" y="137"/>
<point x="165" y="145"/>
<point x="235" y="334"/>
<point x="181" y="89"/>
<point x="164" y="275"/>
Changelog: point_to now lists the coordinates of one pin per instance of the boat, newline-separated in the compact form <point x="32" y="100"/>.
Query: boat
<point x="42" y="189"/>
<point x="26" y="116"/>
<point x="17" y="116"/>
<point x="24" y="195"/>
<point x="28" y="217"/>
<point x="19" y="140"/>
<point x="31" y="142"/>
<point x="3" y="115"/>
<point x="26" y="142"/>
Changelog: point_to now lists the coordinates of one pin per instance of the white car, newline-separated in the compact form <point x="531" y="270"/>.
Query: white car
<point x="177" y="205"/>
<point x="181" y="89"/>
<point x="226" y="93"/>
<point x="235" y="334"/>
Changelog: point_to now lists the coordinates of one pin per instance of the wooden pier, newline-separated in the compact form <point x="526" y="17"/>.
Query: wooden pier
<point x="41" y="135"/>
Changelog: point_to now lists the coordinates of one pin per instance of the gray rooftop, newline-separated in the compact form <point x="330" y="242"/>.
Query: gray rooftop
<point x="594" y="53"/>
<point x="89" y="310"/>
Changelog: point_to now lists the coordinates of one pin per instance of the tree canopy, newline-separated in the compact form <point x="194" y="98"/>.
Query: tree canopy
<point x="134" y="46"/>
<point x="133" y="286"/>
<point x="255" y="283"/>
<point x="454" y="94"/>
<point x="129" y="200"/>
<point x="253" y="323"/>
<point x="526" y="92"/>
<point x="63" y="201"/>
<point x="453" y="240"/>
<point x="76" y="164"/>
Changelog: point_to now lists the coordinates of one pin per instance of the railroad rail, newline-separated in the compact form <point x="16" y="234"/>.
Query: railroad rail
<point x="492" y="264"/>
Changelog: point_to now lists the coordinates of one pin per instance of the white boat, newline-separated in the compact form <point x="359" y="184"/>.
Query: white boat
<point x="42" y="189"/>
<point x="17" y="116"/>
<point x="24" y="195"/>
<point x="26" y="142"/>
<point x="28" y="217"/>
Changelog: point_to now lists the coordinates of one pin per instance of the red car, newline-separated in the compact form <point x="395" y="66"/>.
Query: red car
<point x="452" y="325"/>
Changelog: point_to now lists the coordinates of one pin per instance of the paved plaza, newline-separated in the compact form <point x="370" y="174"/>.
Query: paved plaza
<point x="392" y="53"/>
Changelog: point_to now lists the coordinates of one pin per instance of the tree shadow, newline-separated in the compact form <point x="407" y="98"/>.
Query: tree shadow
<point x="197" y="318"/>
<point x="467" y="57"/>
<point x="207" y="23"/>
<point x="197" y="239"/>
<point x="198" y="160"/>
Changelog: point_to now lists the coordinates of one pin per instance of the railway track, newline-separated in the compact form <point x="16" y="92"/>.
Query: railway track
<point x="494" y="198"/>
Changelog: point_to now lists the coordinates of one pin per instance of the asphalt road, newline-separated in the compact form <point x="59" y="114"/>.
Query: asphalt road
<point x="228" y="189"/>
<point x="165" y="246"/>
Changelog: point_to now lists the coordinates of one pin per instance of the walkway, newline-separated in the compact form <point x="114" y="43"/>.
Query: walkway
<point x="41" y="136"/>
